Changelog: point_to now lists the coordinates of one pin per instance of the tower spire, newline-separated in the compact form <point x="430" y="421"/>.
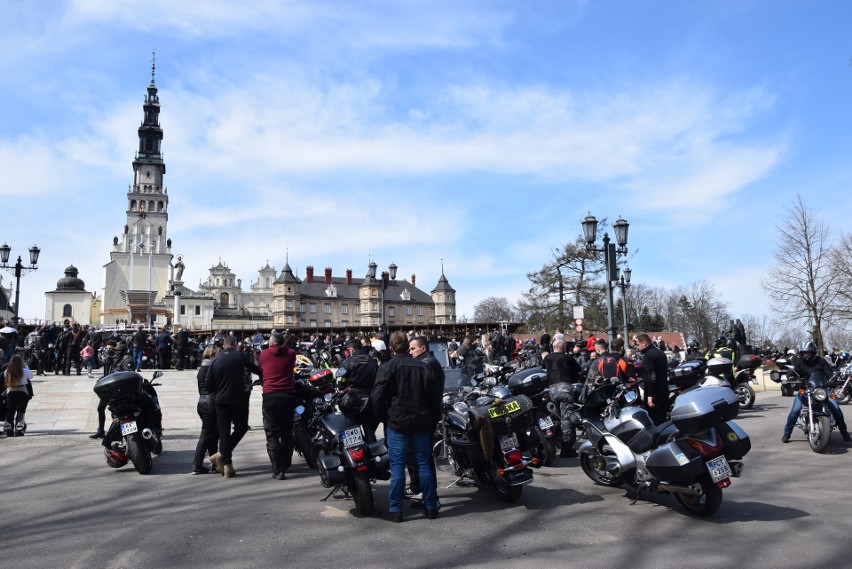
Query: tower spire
<point x="153" y="65"/>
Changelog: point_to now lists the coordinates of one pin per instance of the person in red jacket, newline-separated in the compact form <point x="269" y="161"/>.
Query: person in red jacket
<point x="590" y="343"/>
<point x="277" y="363"/>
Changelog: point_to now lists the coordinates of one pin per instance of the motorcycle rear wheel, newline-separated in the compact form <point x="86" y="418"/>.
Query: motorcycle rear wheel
<point x="594" y="466"/>
<point x="138" y="453"/>
<point x="507" y="492"/>
<point x="707" y="503"/>
<point x="546" y="452"/>
<point x="818" y="436"/>
<point x="362" y="492"/>
<point x="843" y="396"/>
<point x="745" y="395"/>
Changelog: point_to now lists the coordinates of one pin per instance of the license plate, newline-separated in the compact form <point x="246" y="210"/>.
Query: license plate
<point x="719" y="468"/>
<point x="509" y="441"/>
<point x="352" y="437"/>
<point x="545" y="423"/>
<point x="129" y="428"/>
<point x="505" y="409"/>
<point x="144" y="358"/>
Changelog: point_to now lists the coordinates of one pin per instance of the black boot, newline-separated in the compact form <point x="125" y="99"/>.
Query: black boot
<point x="99" y="434"/>
<point x="845" y="434"/>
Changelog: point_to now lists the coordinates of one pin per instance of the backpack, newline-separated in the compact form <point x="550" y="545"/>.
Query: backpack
<point x="610" y="366"/>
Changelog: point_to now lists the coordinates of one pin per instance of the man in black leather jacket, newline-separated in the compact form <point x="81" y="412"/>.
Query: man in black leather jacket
<point x="808" y="364"/>
<point x="656" y="374"/>
<point x="563" y="371"/>
<point x="358" y="372"/>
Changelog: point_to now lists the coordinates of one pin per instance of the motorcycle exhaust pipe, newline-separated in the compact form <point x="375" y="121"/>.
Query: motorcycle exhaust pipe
<point x="147" y="433"/>
<point x="691" y="490"/>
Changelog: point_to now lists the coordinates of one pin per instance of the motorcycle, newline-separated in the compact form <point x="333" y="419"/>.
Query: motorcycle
<point x="483" y="437"/>
<point x="720" y="372"/>
<point x="841" y="384"/>
<point x="535" y="384"/>
<point x="815" y="419"/>
<point x="693" y="456"/>
<point x="311" y="388"/>
<point x="137" y="422"/>
<point x="344" y="460"/>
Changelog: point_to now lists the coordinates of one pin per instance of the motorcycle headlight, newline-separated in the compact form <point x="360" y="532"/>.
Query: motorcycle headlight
<point x="820" y="394"/>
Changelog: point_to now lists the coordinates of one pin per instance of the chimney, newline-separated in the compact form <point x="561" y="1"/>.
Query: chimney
<point x="349" y="276"/>
<point x="385" y="277"/>
<point x="309" y="276"/>
<point x="328" y="275"/>
<point x="413" y="279"/>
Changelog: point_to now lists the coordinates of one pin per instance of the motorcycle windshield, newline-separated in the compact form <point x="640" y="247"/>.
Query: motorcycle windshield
<point x="816" y="380"/>
<point x="335" y="423"/>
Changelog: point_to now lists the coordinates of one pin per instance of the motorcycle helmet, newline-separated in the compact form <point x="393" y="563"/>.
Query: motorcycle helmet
<point x="303" y="363"/>
<point x="115" y="458"/>
<point x="807" y="350"/>
<point x="692" y="343"/>
<point x="731" y="343"/>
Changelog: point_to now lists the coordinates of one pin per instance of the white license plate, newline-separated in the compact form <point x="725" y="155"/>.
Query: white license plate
<point x="545" y="423"/>
<point x="144" y="358"/>
<point x="509" y="441"/>
<point x="719" y="469"/>
<point x="352" y="437"/>
<point x="129" y="428"/>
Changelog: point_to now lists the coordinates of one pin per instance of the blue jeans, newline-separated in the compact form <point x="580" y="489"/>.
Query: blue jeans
<point x="798" y="402"/>
<point x="137" y="357"/>
<point x="421" y="447"/>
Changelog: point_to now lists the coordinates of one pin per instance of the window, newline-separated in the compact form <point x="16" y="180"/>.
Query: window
<point x="66" y="310"/>
<point x="357" y="310"/>
<point x="344" y="309"/>
<point x="280" y="320"/>
<point x="405" y="295"/>
<point x="289" y="319"/>
<point x="327" y="323"/>
<point x="313" y="323"/>
<point x="331" y="291"/>
<point x="313" y="308"/>
<point x="182" y="309"/>
<point x="390" y="311"/>
<point x="326" y="308"/>
<point x="345" y="322"/>
<point x="198" y="310"/>
<point x="408" y="311"/>
<point x="280" y="303"/>
<point x="419" y="311"/>
<point x="301" y="308"/>
<point x="289" y="304"/>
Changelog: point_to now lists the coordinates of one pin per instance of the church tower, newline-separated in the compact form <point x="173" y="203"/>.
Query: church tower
<point x="137" y="277"/>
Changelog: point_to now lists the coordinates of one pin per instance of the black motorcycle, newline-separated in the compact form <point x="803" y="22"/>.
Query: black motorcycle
<point x="311" y="389"/>
<point x="345" y="461"/>
<point x="489" y="438"/>
<point x="815" y="418"/>
<point x="137" y="422"/>
<point x="841" y="384"/>
<point x="534" y="383"/>
<point x="693" y="456"/>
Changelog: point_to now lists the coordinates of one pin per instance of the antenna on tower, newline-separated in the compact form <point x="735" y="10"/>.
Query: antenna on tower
<point x="153" y="64"/>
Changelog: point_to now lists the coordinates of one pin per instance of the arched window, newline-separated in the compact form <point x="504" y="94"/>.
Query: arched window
<point x="66" y="311"/>
<point x="223" y="299"/>
<point x="160" y="206"/>
<point x="132" y="205"/>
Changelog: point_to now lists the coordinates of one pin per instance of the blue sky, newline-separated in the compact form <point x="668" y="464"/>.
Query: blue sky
<point x="477" y="132"/>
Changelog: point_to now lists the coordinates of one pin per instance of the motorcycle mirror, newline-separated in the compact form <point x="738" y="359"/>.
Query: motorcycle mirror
<point x="157" y="374"/>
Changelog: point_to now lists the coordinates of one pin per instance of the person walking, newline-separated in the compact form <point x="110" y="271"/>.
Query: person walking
<point x="279" y="401"/>
<point x="407" y="399"/>
<point x="208" y="438"/>
<point x="226" y="383"/>
<point x="17" y="379"/>
<point x="88" y="355"/>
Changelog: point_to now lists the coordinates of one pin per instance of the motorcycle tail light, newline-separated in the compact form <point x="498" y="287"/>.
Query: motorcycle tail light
<point x="357" y="454"/>
<point x="708" y="449"/>
<point x="513" y="457"/>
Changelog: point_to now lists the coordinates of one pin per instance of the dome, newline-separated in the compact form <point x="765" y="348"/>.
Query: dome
<point x="70" y="280"/>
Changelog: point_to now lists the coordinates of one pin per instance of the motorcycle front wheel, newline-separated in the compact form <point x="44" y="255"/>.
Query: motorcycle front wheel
<point x="362" y="492"/>
<point x="138" y="453"/>
<point x="819" y="435"/>
<point x="746" y="396"/>
<point x="843" y="396"/>
<point x="594" y="466"/>
<point x="705" y="504"/>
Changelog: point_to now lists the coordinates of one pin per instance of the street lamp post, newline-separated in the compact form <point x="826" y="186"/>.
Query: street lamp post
<point x="611" y="252"/>
<point x="624" y="284"/>
<point x="392" y="273"/>
<point x="18" y="269"/>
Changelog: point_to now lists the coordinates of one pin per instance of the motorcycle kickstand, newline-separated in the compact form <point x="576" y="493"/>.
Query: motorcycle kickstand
<point x="456" y="481"/>
<point x="639" y="489"/>
<point x="333" y="491"/>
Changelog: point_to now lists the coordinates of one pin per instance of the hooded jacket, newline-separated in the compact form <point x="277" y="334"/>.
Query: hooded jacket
<point x="277" y="363"/>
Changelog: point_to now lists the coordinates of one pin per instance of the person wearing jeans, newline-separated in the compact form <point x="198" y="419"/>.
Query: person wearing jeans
<point x="407" y="398"/>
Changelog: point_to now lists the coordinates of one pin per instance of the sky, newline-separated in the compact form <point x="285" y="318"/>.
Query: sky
<point x="473" y="135"/>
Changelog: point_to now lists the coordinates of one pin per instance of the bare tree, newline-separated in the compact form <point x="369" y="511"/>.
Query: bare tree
<point x="841" y="260"/>
<point x="759" y="329"/>
<point x="494" y="309"/>
<point x="704" y="314"/>
<point x="803" y="283"/>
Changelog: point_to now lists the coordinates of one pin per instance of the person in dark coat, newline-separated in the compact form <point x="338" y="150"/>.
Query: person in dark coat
<point x="208" y="439"/>
<point x="358" y="373"/>
<point x="226" y="383"/>
<point x="418" y="347"/>
<point x="279" y="402"/>
<point x="655" y="371"/>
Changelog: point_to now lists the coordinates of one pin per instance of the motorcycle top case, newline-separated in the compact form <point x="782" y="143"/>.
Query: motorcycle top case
<point x="506" y="416"/>
<point x="675" y="462"/>
<point x="322" y="380"/>
<point x="749" y="361"/>
<point x="528" y="382"/>
<point x="700" y="409"/>
<point x="118" y="385"/>
<point x="688" y="374"/>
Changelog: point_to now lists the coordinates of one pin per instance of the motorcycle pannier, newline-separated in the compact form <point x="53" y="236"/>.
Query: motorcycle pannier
<point x="737" y="443"/>
<point x="118" y="385"/>
<point x="528" y="382"/>
<point x="675" y="462"/>
<point x="511" y="414"/>
<point x="699" y="409"/>
<point x="688" y="374"/>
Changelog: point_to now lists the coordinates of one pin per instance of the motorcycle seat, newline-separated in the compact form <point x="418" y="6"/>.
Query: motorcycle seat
<point x="652" y="437"/>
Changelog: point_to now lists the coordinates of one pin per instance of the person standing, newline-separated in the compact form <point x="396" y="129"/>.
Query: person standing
<point x="163" y="343"/>
<point x="279" y="401"/>
<point x="88" y="355"/>
<point x="655" y="371"/>
<point x="140" y="340"/>
<point x="181" y="342"/>
<point x="17" y="379"/>
<point x="563" y="371"/>
<point x="208" y="438"/>
<point x="226" y="383"/>
<point x="407" y="399"/>
<point x="72" y="351"/>
<point x="358" y="373"/>
<point x="419" y="350"/>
